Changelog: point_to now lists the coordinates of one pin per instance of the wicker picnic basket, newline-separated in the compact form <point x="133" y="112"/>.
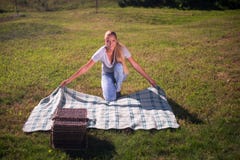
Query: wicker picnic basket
<point x="69" y="129"/>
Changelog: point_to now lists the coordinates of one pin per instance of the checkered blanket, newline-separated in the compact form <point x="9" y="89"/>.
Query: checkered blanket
<point x="146" y="109"/>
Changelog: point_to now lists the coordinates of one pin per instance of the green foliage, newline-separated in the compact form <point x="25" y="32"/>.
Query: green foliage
<point x="183" y="4"/>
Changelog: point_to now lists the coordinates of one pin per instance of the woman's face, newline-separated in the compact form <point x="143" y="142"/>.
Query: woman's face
<point x="111" y="42"/>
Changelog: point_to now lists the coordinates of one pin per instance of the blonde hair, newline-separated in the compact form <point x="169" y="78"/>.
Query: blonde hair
<point x="118" y="53"/>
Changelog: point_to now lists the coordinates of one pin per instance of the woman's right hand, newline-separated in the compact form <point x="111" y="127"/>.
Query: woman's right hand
<point x="64" y="83"/>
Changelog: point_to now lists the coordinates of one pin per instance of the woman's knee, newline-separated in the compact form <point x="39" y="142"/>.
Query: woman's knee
<point x="110" y="97"/>
<point x="109" y="92"/>
<point x="108" y="88"/>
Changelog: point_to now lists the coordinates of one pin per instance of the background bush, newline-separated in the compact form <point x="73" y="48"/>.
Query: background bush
<point x="183" y="4"/>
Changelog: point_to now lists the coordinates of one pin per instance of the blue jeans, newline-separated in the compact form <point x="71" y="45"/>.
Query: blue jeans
<point x="112" y="82"/>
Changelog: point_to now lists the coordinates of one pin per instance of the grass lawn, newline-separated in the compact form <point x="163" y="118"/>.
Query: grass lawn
<point x="193" y="55"/>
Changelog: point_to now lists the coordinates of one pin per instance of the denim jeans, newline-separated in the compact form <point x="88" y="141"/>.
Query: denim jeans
<point x="112" y="82"/>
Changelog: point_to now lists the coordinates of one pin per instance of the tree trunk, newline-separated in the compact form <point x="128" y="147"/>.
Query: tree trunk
<point x="96" y="6"/>
<point x="16" y="7"/>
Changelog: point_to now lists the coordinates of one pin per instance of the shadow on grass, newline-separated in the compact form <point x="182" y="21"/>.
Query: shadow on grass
<point x="97" y="149"/>
<point x="183" y="114"/>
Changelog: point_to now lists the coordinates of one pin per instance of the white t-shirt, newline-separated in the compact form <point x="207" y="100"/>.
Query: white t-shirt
<point x="101" y="55"/>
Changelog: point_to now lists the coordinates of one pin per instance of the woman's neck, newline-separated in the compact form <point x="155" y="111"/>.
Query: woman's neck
<point x="109" y="51"/>
<point x="110" y="55"/>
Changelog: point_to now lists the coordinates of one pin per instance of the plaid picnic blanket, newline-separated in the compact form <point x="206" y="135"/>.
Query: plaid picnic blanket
<point x="146" y="109"/>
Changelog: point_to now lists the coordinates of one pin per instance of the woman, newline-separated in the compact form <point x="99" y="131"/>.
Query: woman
<point x="114" y="69"/>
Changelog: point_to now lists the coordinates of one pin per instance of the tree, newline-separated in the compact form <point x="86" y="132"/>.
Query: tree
<point x="16" y="7"/>
<point x="96" y="6"/>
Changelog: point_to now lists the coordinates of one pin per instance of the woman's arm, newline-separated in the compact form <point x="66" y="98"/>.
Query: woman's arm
<point x="81" y="71"/>
<point x="140" y="70"/>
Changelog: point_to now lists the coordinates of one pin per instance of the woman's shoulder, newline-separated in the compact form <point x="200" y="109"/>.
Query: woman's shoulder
<point x="102" y="49"/>
<point x="124" y="48"/>
<point x="126" y="51"/>
<point x="99" y="53"/>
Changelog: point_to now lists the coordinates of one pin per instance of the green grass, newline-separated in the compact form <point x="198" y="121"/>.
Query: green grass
<point x="192" y="55"/>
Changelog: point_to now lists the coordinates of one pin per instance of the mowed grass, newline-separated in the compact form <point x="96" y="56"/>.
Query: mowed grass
<point x="193" y="55"/>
